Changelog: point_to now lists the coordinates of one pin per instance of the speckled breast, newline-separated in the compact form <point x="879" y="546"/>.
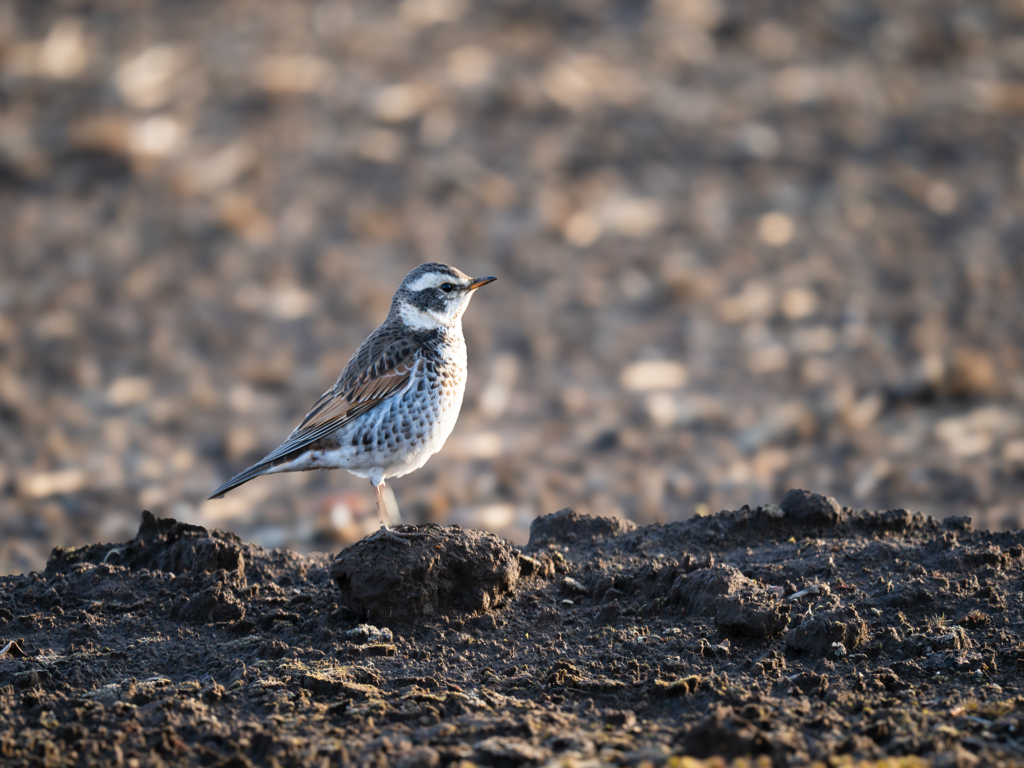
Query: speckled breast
<point x="412" y="426"/>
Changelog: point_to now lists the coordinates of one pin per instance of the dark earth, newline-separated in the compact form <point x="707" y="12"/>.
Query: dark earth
<point x="787" y="633"/>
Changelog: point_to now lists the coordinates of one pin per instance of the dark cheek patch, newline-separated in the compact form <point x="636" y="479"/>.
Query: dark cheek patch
<point x="431" y="299"/>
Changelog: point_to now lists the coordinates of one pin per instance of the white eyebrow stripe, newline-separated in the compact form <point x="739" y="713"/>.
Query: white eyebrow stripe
<point x="429" y="280"/>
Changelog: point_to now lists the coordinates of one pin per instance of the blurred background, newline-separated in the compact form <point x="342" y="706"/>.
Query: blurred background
<point x="742" y="247"/>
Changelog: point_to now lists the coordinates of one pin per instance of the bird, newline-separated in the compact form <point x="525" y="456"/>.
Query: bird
<point x="398" y="397"/>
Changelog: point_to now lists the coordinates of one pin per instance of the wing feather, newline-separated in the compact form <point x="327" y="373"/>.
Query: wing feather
<point x="340" y="404"/>
<point x="381" y="368"/>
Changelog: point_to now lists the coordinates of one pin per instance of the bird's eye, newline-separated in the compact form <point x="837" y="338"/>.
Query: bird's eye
<point x="447" y="287"/>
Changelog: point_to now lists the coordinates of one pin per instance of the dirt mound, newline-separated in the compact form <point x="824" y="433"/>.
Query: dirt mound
<point x="567" y="526"/>
<point x="443" y="572"/>
<point x="160" y="545"/>
<point x="767" y="631"/>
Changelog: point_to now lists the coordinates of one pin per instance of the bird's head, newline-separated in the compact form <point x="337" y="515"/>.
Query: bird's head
<point x="435" y="295"/>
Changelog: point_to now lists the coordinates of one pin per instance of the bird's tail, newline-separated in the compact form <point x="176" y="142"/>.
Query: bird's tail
<point x="262" y="467"/>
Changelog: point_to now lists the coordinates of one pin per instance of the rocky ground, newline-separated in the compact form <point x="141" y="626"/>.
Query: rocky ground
<point x="782" y="633"/>
<point x="741" y="247"/>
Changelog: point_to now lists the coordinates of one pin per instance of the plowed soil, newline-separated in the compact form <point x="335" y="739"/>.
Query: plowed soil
<point x="798" y="632"/>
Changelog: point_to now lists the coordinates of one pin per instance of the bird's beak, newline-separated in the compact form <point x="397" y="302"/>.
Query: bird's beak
<point x="480" y="281"/>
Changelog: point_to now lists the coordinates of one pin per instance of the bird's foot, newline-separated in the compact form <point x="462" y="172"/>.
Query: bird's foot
<point x="384" y="532"/>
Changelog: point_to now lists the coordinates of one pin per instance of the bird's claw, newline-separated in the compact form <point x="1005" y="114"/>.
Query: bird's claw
<point x="389" y="533"/>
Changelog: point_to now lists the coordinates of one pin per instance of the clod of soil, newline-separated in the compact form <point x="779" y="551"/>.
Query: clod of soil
<point x="819" y="633"/>
<point x="811" y="508"/>
<point x="444" y="572"/>
<point x="754" y="614"/>
<point x="567" y="526"/>
<point x="160" y="545"/>
<point x="699" y="592"/>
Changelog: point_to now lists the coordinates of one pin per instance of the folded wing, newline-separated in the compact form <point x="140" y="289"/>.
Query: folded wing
<point x="379" y="370"/>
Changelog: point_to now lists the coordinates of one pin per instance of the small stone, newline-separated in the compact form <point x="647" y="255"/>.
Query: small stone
<point x="570" y="584"/>
<point x="367" y="633"/>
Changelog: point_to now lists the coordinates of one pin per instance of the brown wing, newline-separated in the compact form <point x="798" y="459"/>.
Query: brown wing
<point x="380" y="368"/>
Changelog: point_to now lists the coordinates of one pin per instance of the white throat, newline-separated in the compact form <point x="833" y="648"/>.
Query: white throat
<point x="417" y="318"/>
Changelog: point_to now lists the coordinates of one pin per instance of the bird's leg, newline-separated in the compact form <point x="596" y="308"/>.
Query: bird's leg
<point x="385" y="519"/>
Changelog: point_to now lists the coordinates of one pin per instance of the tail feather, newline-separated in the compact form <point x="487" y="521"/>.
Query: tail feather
<point x="259" y="468"/>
